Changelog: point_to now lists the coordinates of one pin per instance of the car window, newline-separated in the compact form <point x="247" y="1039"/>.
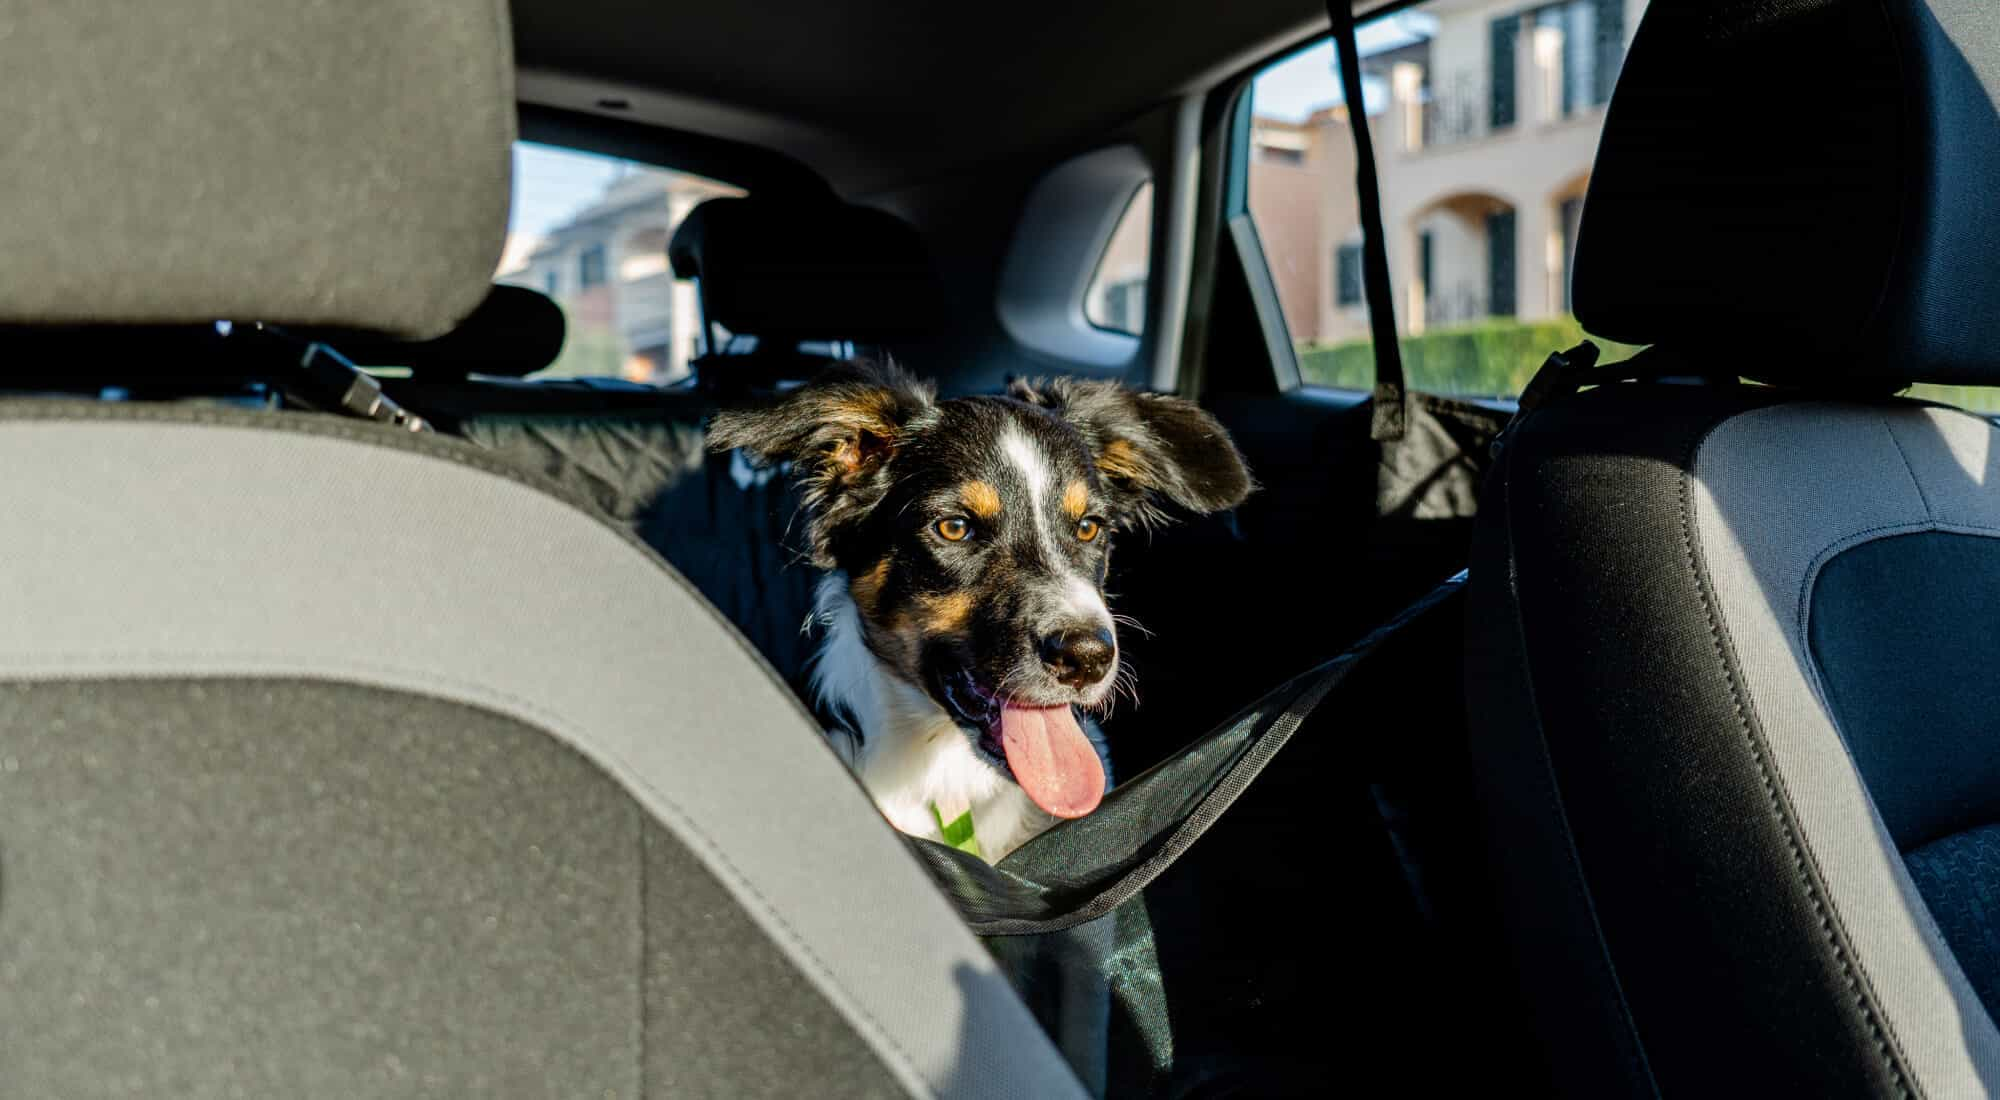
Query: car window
<point x="591" y="232"/>
<point x="1116" y="298"/>
<point x="1485" y="118"/>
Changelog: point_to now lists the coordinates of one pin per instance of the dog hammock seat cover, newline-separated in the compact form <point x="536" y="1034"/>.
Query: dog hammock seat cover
<point x="1072" y="914"/>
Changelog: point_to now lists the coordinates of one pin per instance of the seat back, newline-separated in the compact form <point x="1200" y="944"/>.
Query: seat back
<point x="1735" y="761"/>
<point x="339" y="760"/>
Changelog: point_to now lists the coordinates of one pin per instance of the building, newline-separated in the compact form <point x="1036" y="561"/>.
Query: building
<point x="607" y="267"/>
<point x="1483" y="145"/>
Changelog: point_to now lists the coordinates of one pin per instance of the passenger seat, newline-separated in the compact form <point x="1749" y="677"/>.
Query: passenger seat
<point x="339" y="760"/>
<point x="1732" y="646"/>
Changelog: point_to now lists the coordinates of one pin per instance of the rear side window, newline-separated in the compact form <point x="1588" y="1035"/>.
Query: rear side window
<point x="1485" y="118"/>
<point x="591" y="232"/>
<point x="1116" y="299"/>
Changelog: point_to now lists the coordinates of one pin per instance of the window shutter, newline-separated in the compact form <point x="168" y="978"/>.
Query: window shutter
<point x="1610" y="47"/>
<point x="1500" y="101"/>
<point x="1500" y="264"/>
<point x="1347" y="275"/>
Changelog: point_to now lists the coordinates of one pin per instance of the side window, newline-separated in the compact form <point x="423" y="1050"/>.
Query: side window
<point x="1116" y="297"/>
<point x="1485" y="118"/>
<point x="591" y="232"/>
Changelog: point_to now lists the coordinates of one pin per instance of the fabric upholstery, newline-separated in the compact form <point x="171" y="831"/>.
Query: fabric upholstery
<point x="243" y="545"/>
<point x="1959" y="877"/>
<point x="1703" y="897"/>
<point x="318" y="162"/>
<point x="305" y="888"/>
<point x="807" y="269"/>
<point x="1800" y="177"/>
<point x="1775" y="494"/>
<point x="1907" y="673"/>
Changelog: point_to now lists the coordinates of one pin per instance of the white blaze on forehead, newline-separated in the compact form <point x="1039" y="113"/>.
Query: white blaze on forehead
<point x="1028" y="460"/>
<point x="1078" y="593"/>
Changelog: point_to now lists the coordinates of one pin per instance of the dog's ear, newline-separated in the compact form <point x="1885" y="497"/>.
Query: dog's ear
<point x="837" y="432"/>
<point x="837" y="428"/>
<point x="1149" y="446"/>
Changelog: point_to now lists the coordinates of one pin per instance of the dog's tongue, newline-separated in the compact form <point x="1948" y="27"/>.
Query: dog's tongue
<point x="1052" y="759"/>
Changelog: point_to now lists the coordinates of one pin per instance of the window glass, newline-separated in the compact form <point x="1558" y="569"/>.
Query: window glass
<point x="1485" y="118"/>
<point x="1116" y="297"/>
<point x="591" y="232"/>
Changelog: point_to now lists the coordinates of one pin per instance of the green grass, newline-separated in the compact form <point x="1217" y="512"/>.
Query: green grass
<point x="1495" y="358"/>
<point x="1492" y="358"/>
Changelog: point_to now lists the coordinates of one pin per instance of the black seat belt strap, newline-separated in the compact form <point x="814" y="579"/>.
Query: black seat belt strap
<point x="1390" y="413"/>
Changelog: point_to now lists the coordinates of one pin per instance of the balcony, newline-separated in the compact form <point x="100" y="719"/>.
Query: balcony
<point x="1546" y="81"/>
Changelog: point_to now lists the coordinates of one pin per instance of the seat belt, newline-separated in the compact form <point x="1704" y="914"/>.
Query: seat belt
<point x="1389" y="408"/>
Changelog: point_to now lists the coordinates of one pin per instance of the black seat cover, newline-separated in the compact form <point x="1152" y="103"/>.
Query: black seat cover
<point x="1727" y="642"/>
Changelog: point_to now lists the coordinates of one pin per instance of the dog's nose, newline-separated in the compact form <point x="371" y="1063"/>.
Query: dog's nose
<point x="1079" y="658"/>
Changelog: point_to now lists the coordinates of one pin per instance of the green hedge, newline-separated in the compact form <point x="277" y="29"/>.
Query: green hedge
<point x="1493" y="358"/>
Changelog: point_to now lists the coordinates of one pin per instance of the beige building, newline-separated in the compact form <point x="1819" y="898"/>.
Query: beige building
<point x="1484" y="144"/>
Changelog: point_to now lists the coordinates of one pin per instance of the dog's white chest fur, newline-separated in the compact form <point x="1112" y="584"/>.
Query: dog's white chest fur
<point x="909" y="754"/>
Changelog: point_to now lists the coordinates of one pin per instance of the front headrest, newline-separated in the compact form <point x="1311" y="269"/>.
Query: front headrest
<point x="1807" y="184"/>
<point x="516" y="331"/>
<point x="807" y="269"/>
<point x="325" y="164"/>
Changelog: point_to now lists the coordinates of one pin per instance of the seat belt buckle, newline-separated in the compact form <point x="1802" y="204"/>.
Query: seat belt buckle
<point x="1560" y="375"/>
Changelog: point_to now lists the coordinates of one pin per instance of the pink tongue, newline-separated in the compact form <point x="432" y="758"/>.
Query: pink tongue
<point x="1052" y="759"/>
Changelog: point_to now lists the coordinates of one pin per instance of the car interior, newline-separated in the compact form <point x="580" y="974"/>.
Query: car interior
<point x="404" y="699"/>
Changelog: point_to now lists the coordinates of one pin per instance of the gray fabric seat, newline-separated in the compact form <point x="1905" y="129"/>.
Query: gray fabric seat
<point x="1730" y="645"/>
<point x="337" y="760"/>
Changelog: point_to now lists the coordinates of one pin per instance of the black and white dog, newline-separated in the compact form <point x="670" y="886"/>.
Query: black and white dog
<point x="965" y="544"/>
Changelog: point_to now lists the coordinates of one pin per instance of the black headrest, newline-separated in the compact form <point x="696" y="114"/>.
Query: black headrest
<point x="514" y="331"/>
<point x="807" y="269"/>
<point x="1807" y="183"/>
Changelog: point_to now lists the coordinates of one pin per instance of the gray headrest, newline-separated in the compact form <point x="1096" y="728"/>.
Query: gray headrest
<point x="808" y="269"/>
<point x="1807" y="184"/>
<point x="314" y="162"/>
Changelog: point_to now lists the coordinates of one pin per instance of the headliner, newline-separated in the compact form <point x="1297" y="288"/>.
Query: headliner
<point x="877" y="94"/>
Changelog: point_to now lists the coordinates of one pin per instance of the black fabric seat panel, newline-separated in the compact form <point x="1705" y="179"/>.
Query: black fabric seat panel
<point x="1906" y="653"/>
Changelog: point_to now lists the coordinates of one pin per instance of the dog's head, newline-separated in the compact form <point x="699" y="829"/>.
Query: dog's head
<point x="975" y="534"/>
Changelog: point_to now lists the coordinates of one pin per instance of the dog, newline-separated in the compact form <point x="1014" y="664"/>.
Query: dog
<point x="964" y="545"/>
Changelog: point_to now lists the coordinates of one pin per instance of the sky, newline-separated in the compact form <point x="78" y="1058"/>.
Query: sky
<point x="550" y="184"/>
<point x="1296" y="86"/>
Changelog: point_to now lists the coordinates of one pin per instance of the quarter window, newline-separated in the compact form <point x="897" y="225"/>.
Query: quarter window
<point x="1116" y="297"/>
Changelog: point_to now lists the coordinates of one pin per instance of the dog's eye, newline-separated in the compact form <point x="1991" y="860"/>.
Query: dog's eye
<point x="954" y="528"/>
<point x="1087" y="529"/>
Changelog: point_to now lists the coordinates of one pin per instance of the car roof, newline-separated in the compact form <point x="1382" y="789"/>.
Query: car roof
<point x="875" y="94"/>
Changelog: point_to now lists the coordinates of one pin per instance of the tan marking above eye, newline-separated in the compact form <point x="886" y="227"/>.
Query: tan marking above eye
<point x="1087" y="529"/>
<point x="1076" y="499"/>
<point x="954" y="528"/>
<point x="981" y="499"/>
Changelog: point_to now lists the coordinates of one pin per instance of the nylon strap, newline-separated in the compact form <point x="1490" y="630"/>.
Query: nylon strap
<point x="1389" y="405"/>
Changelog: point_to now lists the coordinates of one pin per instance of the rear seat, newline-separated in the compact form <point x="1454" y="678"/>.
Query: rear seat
<point x="777" y="275"/>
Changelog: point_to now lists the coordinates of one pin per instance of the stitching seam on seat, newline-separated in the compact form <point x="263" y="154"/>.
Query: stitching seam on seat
<point x="1807" y="872"/>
